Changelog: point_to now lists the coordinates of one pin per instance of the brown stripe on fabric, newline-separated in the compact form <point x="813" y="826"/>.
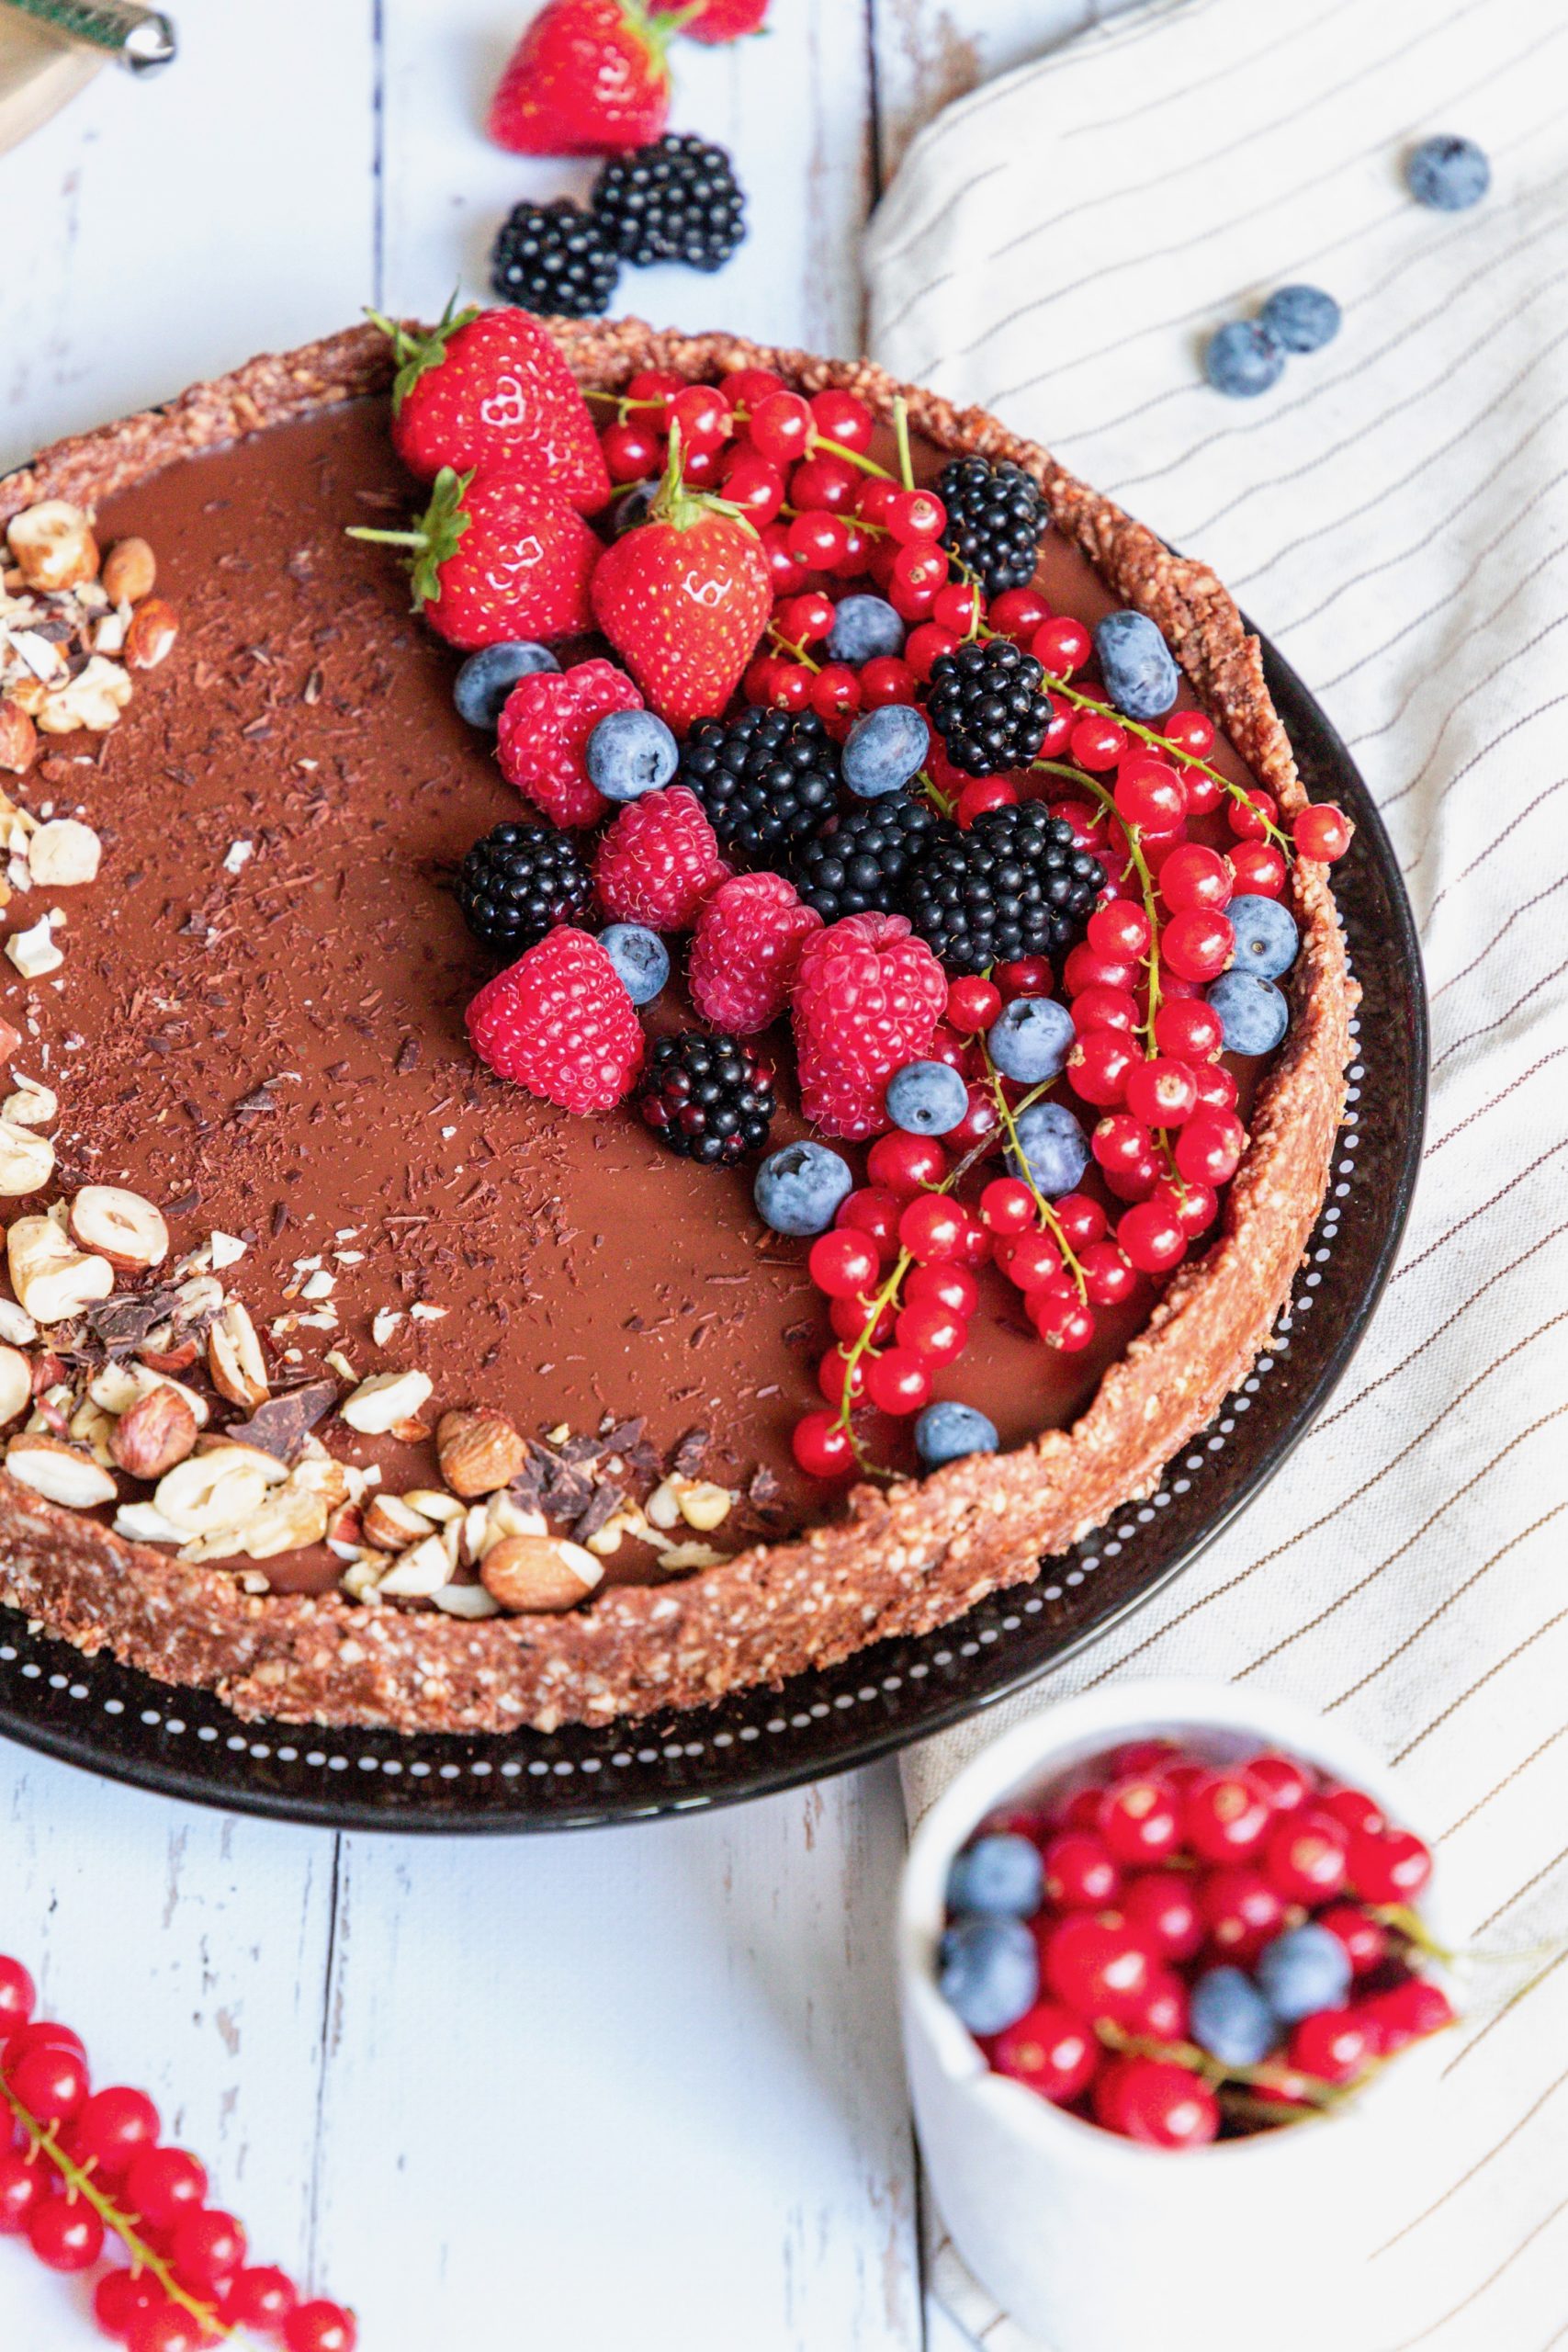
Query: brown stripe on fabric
<point x="1491" y="1103"/>
<point x="1495" y="842"/>
<point x="1519" y="1892"/>
<point x="1526" y="718"/>
<point x="1311" y="1624"/>
<point x="1487" y="1027"/>
<point x="1410" y="1264"/>
<point x="1490" y="1676"/>
<point x="1524" y="907"/>
<point x="1506" y="1782"/>
<point x="1425" y="2334"/>
<point x="1492" y="2022"/>
<point x="1447" y="1323"/>
<point x="1444" y="1606"/>
<point x="1478" y="2166"/>
<point x="1461" y="587"/>
<point x="1215" y="80"/>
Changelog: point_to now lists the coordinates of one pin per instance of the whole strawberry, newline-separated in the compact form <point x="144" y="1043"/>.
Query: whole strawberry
<point x="718" y="20"/>
<point x="560" y="1022"/>
<point x="497" y="558"/>
<point x="748" y="943"/>
<point x="542" y="740"/>
<point x="659" y="860"/>
<point x="587" y="78"/>
<point x="685" y="598"/>
<point x="868" y="996"/>
<point x="488" y="392"/>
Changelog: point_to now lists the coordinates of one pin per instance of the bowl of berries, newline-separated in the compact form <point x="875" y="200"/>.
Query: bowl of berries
<point x="1169" y="1920"/>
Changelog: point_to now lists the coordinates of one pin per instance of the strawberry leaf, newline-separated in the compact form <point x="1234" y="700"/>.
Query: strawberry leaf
<point x="416" y="350"/>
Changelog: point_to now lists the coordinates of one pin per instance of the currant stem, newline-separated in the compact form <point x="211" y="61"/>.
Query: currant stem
<point x="901" y="433"/>
<point x="79" y="2182"/>
<point x="1008" y="1113"/>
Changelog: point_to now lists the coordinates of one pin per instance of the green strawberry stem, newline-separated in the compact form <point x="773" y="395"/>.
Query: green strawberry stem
<point x="434" y="539"/>
<point x="681" y="507"/>
<point x="417" y="349"/>
<point x="78" y="2181"/>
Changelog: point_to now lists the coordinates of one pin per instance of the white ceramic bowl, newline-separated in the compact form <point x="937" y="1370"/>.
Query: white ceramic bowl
<point x="1093" y="2243"/>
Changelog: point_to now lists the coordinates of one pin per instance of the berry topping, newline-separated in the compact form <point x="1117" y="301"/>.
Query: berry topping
<point x="884" y="748"/>
<point x="1307" y="1968"/>
<point x="798" y="1191"/>
<point x="630" y="752"/>
<point x="1138" y="666"/>
<point x="675" y="201"/>
<point x="1030" y="1039"/>
<point x="867" y="999"/>
<point x="859" y="863"/>
<point x="1230" y="2019"/>
<point x="658" y="861"/>
<point x="766" y="780"/>
<point x="1052" y="1150"/>
<point x="996" y="520"/>
<point x="1301" y="318"/>
<point x="1002" y="1876"/>
<point x="988" y="705"/>
<point x="707" y="1098"/>
<point x="560" y="1022"/>
<point x="640" y="958"/>
<point x="553" y="258"/>
<point x="721" y="20"/>
<point x="1242" y="359"/>
<point x="1448" y="173"/>
<point x="749" y="937"/>
<point x="927" y="1098"/>
<point x="1014" y="885"/>
<point x="587" y="78"/>
<point x="546" y="723"/>
<point x="481" y="685"/>
<point x="1253" y="1013"/>
<point x="865" y="628"/>
<point x="988" y="1971"/>
<point x="498" y="557"/>
<point x="489" y="389"/>
<point x="1266" y="937"/>
<point x="949" y="1431"/>
<point x="519" y="882"/>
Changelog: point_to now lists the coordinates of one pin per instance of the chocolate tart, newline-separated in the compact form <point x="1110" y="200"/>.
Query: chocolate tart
<point x="269" y="1042"/>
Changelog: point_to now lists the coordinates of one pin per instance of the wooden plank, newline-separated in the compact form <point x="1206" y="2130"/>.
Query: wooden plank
<point x="637" y="2085"/>
<point x="930" y="51"/>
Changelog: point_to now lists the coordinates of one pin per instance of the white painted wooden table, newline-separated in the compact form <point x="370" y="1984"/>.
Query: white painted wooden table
<point x="638" y="2086"/>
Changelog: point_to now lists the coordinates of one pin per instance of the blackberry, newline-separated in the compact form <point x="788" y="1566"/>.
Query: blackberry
<point x="708" y="1098"/>
<point x="553" y="257"/>
<point x="765" y="779"/>
<point x="675" y="201"/>
<point x="519" y="882"/>
<point x="860" y="864"/>
<point x="987" y="704"/>
<point x="1012" y="886"/>
<point x="996" y="520"/>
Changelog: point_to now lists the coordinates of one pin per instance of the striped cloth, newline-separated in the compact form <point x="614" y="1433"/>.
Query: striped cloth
<point x="1395" y="514"/>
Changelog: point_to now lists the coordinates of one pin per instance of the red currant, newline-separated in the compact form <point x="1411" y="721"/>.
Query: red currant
<point x="982" y="794"/>
<point x="949" y="1287"/>
<point x="835" y="691"/>
<point x="805" y="620"/>
<point x="1107" y="1277"/>
<point x="926" y="646"/>
<point x="633" y="452"/>
<point x="1094" y="1962"/>
<point x="1405" y="2013"/>
<point x="1193" y="878"/>
<point x="1059" y="1320"/>
<point x="112" y="2128"/>
<point x="1136" y="1182"/>
<point x="1081" y="1872"/>
<point x="1018" y="613"/>
<point x="22" y="2184"/>
<point x="843" y="1263"/>
<point x="1086" y="968"/>
<point x="17" y="1995"/>
<point x="905" y="1164"/>
<point x="1050" y="2049"/>
<point x="1365" y="1938"/>
<point x="838" y="1378"/>
<point x="874" y="1213"/>
<point x="1081" y="1219"/>
<point x="1226" y="1817"/>
<point x="1191" y="732"/>
<point x="957" y="607"/>
<point x="321" y="2327"/>
<point x="1289" y="1784"/>
<point x="1150" y="1237"/>
<point x="841" y="417"/>
<point x="917" y="517"/>
<point x="1101" y="1063"/>
<point x="1162" y="2012"/>
<point x="1198" y="945"/>
<point x="1096" y="742"/>
<point x="753" y="485"/>
<point x="654" y="389"/>
<point x="704" y="418"/>
<point x="849" y="1318"/>
<point x="261" y="2297"/>
<point x="1257" y="868"/>
<point x="1391" y="1867"/>
<point x="1120" y="1141"/>
<point x="1162" y="2105"/>
<point x="1209" y="1146"/>
<point x="981" y="1120"/>
<point x="1331" y="2045"/>
<point x="1251" y="813"/>
<point x="208" y="2245"/>
<point x="816" y="541"/>
<point x="1139" y="1822"/>
<point x="1159" y="1905"/>
<point x="898" y="1381"/>
<point x="1148" y="794"/>
<point x="1188" y="1029"/>
<point x="1194" y="1207"/>
<point x="1119" y="930"/>
<point x="1007" y="1206"/>
<point x="1355" y="1810"/>
<point x="1161" y="1093"/>
<point x="973" y="1005"/>
<point x="933" y="1334"/>
<point x="1060" y="645"/>
<point x="164" y="2185"/>
<point x="1031" y="1261"/>
<point x="50" y="2083"/>
<point x="822" y="1447"/>
<point x="1216" y="1086"/>
<point x="1322" y="832"/>
<point x="826" y="485"/>
<point x="781" y="428"/>
<point x="121" y="2297"/>
<point x="1305" y="1858"/>
<point x="66" y="2233"/>
<point x="1059" y="729"/>
<point x="886" y="679"/>
<point x="1242" y="1911"/>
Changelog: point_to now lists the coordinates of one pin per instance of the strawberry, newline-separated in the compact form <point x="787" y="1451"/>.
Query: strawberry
<point x="587" y="78"/>
<point x="497" y="560"/>
<point x="717" y="21"/>
<point x="685" y="598"/>
<point x="488" y="390"/>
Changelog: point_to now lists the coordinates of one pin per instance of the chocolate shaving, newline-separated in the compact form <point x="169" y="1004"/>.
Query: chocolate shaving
<point x="121" y="1324"/>
<point x="259" y="1100"/>
<point x="765" y="1489"/>
<point x="605" y="1502"/>
<point x="692" y="1453"/>
<point x="281" y="1426"/>
<point x="408" y="1057"/>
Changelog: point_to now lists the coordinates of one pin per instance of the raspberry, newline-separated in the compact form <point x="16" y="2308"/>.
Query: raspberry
<point x="748" y="939"/>
<point x="543" y="736"/>
<point x="659" y="861"/>
<point x="868" y="996"/>
<point x="560" y="1022"/>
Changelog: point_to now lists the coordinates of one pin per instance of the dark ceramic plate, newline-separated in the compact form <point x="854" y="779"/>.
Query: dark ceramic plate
<point x="185" y="1743"/>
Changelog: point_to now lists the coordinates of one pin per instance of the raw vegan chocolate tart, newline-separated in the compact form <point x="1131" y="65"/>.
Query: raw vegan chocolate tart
<point x="348" y="1377"/>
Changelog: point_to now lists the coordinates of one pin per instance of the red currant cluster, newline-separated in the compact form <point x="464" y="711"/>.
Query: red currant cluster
<point x="78" y="2166"/>
<point x="1216" y="1950"/>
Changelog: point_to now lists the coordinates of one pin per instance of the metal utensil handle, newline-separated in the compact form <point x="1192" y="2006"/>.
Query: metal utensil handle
<point x="139" y="38"/>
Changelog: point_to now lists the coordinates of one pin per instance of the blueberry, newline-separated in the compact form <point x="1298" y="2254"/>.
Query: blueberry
<point x="1230" y="2019"/>
<point x="864" y="629"/>
<point x="988" y="1971"/>
<point x="631" y="753"/>
<point x="1254" y="1016"/>
<point x="1303" y="1971"/>
<point x="1302" y="318"/>
<point x="798" y="1189"/>
<point x="486" y="677"/>
<point x="640" y="958"/>
<point x="1053" y="1146"/>
<point x="926" y="1098"/>
<point x="631" y="511"/>
<point x="1448" y="173"/>
<point x="884" y="748"/>
<point x="1243" y="359"/>
<point x="1266" y="937"/>
<point x="1031" y="1038"/>
<point x="946" y="1432"/>
<point x="1002" y="1876"/>
<point x="1137" y="665"/>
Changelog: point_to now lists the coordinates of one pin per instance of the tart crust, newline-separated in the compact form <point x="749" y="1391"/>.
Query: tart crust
<point x="903" y="1559"/>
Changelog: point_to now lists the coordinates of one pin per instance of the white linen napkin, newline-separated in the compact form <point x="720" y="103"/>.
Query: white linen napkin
<point x="1057" y="246"/>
